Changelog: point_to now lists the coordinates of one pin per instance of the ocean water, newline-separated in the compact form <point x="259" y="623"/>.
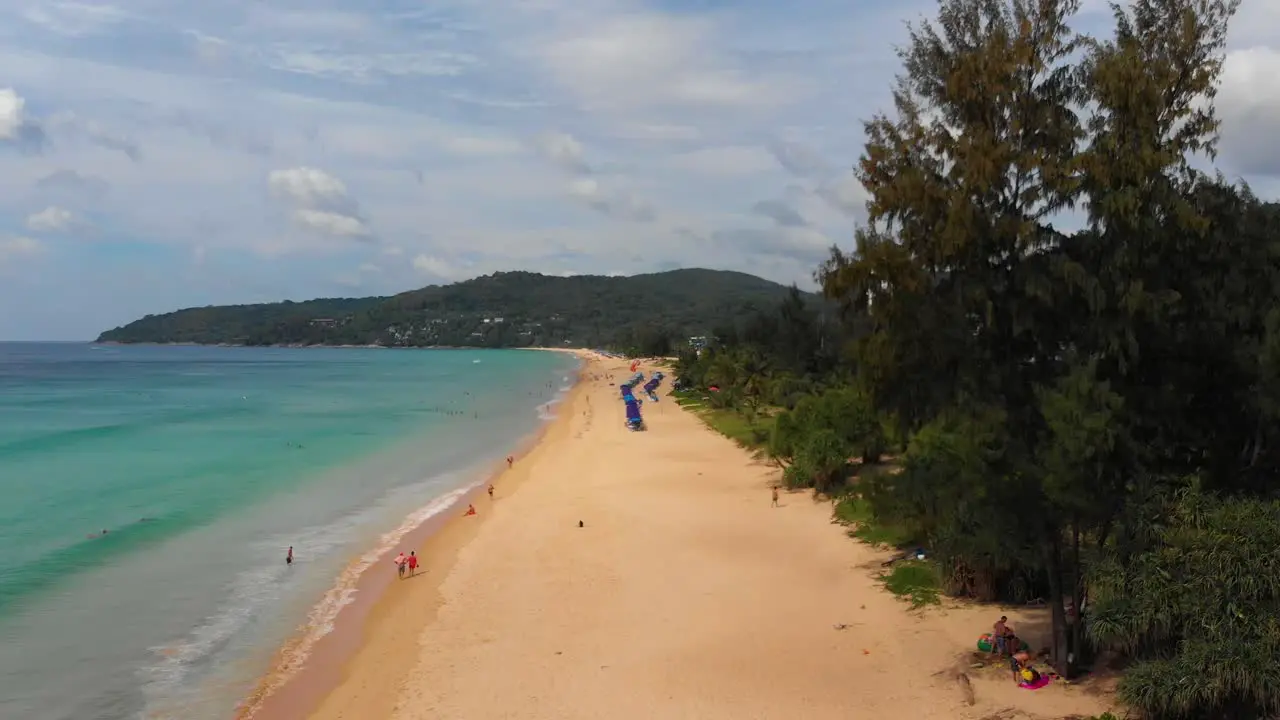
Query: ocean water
<point x="203" y="465"/>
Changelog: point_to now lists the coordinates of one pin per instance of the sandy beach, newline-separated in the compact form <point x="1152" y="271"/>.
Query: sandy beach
<point x="683" y="594"/>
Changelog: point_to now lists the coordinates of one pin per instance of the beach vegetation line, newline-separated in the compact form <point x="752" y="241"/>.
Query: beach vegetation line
<point x="1079" y="415"/>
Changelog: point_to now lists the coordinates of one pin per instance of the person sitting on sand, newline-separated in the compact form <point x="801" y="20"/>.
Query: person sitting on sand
<point x="471" y="510"/>
<point x="1003" y="640"/>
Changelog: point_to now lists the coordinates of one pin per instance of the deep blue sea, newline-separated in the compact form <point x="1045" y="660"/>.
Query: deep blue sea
<point x="202" y="465"/>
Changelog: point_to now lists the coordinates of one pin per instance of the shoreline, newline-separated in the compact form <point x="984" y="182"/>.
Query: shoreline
<point x="292" y="688"/>
<point x="634" y="575"/>
<point x="313" y="346"/>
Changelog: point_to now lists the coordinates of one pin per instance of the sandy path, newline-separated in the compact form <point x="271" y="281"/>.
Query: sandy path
<point x="684" y="596"/>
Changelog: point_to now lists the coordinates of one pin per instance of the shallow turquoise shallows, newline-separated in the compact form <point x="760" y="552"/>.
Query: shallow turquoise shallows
<point x="202" y="466"/>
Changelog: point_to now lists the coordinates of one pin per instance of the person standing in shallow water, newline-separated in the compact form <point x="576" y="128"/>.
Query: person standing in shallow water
<point x="288" y="558"/>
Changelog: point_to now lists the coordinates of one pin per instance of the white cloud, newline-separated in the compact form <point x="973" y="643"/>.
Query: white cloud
<point x="603" y="135"/>
<point x="308" y="186"/>
<point x="628" y="60"/>
<point x="50" y="219"/>
<point x="565" y="151"/>
<point x="16" y="126"/>
<point x="320" y="201"/>
<point x="619" y="204"/>
<point x="16" y="248"/>
<point x="12" y="114"/>
<point x="1249" y="104"/>
<point x="331" y="223"/>
<point x="438" y="267"/>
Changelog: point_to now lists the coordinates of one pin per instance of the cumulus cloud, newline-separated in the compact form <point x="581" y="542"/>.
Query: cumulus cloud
<point x="619" y="204"/>
<point x="319" y="201"/>
<point x="50" y="219"/>
<point x="16" y="127"/>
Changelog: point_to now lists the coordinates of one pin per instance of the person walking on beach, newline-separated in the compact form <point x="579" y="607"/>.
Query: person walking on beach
<point x="510" y="461"/>
<point x="400" y="562"/>
<point x="775" y="496"/>
<point x="288" y="558"/>
<point x="490" y="491"/>
<point x="413" y="562"/>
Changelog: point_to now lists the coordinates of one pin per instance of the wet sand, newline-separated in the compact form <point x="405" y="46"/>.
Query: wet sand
<point x="683" y="595"/>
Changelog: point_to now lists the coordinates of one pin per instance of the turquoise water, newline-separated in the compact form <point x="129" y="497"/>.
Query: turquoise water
<point x="203" y="465"/>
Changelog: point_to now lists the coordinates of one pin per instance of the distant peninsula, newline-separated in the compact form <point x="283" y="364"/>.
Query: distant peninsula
<point x="502" y="310"/>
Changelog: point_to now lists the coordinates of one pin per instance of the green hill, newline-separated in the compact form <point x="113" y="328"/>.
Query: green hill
<point x="510" y="309"/>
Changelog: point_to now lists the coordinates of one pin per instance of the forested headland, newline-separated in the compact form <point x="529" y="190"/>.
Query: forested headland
<point x="1056" y="361"/>
<point x="648" y="314"/>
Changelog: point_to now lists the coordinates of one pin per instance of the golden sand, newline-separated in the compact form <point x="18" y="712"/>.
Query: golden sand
<point x="684" y="594"/>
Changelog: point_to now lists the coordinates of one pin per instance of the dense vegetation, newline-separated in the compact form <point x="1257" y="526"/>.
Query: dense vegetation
<point x="1087" y="417"/>
<point x="644" y="313"/>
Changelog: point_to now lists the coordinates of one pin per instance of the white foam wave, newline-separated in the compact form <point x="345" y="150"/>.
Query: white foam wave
<point x="167" y="684"/>
<point x="547" y="410"/>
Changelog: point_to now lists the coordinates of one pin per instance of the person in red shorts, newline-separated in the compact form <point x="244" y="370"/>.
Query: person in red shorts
<point x="413" y="562"/>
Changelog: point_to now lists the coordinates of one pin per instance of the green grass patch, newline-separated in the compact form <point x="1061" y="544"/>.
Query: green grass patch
<point x="730" y="423"/>
<point x="688" y="398"/>
<point x="853" y="510"/>
<point x="915" y="581"/>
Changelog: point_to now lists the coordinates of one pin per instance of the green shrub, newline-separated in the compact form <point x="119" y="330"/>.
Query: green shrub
<point x="916" y="581"/>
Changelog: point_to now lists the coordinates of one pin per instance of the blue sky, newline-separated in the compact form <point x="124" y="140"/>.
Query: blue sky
<point x="158" y="154"/>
